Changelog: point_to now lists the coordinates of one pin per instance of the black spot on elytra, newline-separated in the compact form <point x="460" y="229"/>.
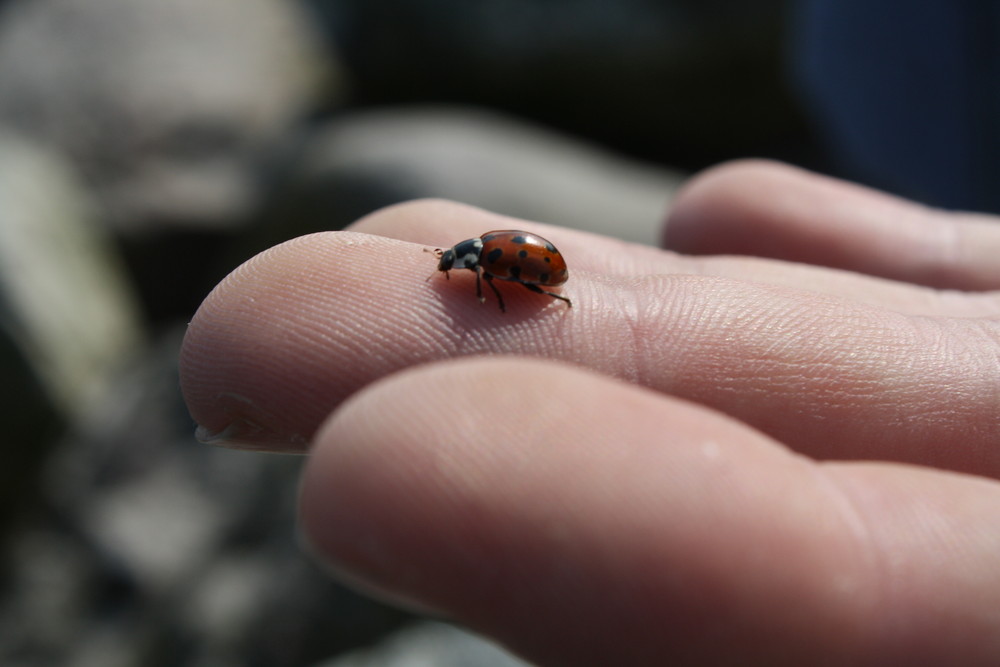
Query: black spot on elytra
<point x="495" y="255"/>
<point x="515" y="272"/>
<point x="522" y="253"/>
<point x="547" y="260"/>
<point x="519" y="239"/>
<point x="551" y="248"/>
<point x="543" y="278"/>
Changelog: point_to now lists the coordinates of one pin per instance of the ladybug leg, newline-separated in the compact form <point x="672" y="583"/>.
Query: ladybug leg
<point x="539" y="290"/>
<point x="489" y="281"/>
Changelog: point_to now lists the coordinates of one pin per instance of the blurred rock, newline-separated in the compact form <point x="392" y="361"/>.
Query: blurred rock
<point x="64" y="299"/>
<point x="155" y="549"/>
<point x="166" y="106"/>
<point x="430" y="645"/>
<point x="68" y="318"/>
<point x="359" y="162"/>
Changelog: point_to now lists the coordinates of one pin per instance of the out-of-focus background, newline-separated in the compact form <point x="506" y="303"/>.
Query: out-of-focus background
<point x="147" y="147"/>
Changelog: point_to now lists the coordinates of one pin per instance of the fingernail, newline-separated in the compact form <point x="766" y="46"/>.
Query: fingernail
<point x="245" y="435"/>
<point x="242" y="432"/>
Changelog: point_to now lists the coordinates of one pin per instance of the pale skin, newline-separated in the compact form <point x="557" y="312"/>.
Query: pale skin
<point x="709" y="459"/>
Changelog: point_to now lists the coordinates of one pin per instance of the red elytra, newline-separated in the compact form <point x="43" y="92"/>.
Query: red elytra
<point x="516" y="256"/>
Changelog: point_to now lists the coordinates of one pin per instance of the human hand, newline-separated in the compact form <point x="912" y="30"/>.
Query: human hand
<point x="707" y="459"/>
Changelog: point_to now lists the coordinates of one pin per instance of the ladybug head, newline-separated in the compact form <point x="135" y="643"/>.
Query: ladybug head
<point x="446" y="259"/>
<point x="465" y="255"/>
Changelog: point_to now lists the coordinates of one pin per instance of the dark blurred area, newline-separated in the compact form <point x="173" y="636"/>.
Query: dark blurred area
<point x="148" y="147"/>
<point x="684" y="83"/>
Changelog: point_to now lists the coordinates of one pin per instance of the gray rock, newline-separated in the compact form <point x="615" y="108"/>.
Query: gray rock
<point x="68" y="317"/>
<point x="150" y="548"/>
<point x="65" y="301"/>
<point x="430" y="645"/>
<point x="165" y="105"/>
<point x="362" y="161"/>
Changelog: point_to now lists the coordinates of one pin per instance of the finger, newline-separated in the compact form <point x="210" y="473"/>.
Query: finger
<point x="767" y="209"/>
<point x="294" y="332"/>
<point x="444" y="223"/>
<point x="581" y="521"/>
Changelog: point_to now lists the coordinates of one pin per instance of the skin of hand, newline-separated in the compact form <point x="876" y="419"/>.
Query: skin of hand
<point x="780" y="447"/>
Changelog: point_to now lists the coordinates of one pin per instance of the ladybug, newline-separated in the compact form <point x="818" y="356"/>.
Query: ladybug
<point x="519" y="257"/>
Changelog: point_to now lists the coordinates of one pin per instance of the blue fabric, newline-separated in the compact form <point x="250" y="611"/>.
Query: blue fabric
<point x="906" y="93"/>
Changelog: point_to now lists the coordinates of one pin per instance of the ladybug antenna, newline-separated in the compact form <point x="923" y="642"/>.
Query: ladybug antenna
<point x="437" y="252"/>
